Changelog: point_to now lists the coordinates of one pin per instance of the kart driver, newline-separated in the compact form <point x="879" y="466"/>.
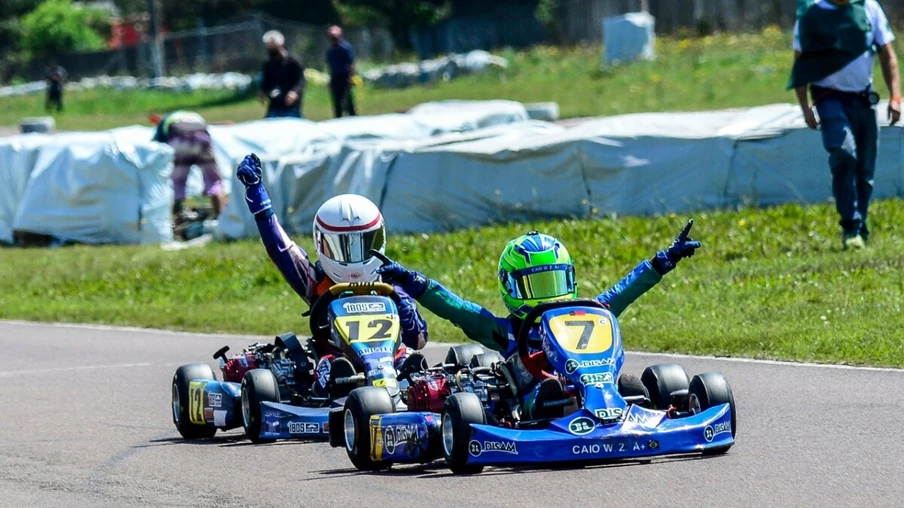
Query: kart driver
<point x="346" y="229"/>
<point x="533" y="268"/>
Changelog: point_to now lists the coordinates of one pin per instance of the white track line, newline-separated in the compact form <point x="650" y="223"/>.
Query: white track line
<point x="10" y="373"/>
<point x="445" y="345"/>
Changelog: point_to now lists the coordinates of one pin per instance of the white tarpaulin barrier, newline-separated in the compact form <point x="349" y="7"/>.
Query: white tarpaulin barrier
<point x="86" y="187"/>
<point x="440" y="166"/>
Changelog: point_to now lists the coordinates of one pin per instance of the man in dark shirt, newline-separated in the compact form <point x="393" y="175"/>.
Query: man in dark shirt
<point x="341" y="60"/>
<point x="282" y="86"/>
<point x="55" y="78"/>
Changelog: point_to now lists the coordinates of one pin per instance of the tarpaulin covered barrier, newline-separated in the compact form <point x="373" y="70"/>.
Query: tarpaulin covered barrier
<point x="441" y="166"/>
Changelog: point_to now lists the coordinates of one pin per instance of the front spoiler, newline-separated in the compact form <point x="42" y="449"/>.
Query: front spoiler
<point x="284" y="421"/>
<point x="641" y="433"/>
<point x="566" y="440"/>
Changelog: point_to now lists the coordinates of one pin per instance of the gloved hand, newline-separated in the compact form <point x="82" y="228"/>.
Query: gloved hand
<point x="394" y="273"/>
<point x="682" y="247"/>
<point x="250" y="174"/>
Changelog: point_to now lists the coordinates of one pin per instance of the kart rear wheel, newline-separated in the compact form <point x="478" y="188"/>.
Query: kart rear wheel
<point x="181" y="380"/>
<point x="459" y="412"/>
<point x="258" y="385"/>
<point x="361" y="404"/>
<point x="661" y="381"/>
<point x="708" y="390"/>
<point x="461" y="355"/>
<point x="630" y="385"/>
<point x="486" y="359"/>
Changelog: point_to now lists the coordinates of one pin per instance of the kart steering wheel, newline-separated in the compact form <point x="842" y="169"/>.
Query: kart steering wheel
<point x="536" y="363"/>
<point x="318" y="320"/>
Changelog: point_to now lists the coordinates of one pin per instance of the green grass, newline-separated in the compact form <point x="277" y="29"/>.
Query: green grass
<point x="767" y="283"/>
<point x="693" y="74"/>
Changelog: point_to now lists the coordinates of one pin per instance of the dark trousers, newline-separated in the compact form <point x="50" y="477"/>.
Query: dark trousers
<point x="342" y="93"/>
<point x="54" y="98"/>
<point x="850" y="134"/>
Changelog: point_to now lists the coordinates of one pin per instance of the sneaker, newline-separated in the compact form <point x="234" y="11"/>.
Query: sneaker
<point x="853" y="242"/>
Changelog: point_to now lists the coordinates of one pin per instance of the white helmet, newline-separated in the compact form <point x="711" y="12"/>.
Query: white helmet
<point x="346" y="228"/>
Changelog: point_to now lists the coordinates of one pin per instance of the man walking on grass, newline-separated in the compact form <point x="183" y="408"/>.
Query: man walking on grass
<point x="834" y="45"/>
<point x="341" y="60"/>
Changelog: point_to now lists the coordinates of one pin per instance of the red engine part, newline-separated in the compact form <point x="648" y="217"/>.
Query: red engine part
<point x="235" y="369"/>
<point x="429" y="394"/>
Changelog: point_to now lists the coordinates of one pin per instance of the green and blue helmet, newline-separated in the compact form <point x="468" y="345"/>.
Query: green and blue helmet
<point x="535" y="268"/>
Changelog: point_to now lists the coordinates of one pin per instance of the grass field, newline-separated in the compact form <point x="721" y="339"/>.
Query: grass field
<point x="695" y="74"/>
<point x="767" y="283"/>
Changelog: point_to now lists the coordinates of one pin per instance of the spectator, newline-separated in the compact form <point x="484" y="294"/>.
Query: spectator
<point x="56" y="76"/>
<point x="341" y="60"/>
<point x="187" y="133"/>
<point x="282" y="86"/>
<point x="834" y="43"/>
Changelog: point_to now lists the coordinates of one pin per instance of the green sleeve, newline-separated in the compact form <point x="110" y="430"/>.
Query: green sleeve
<point x="641" y="279"/>
<point x="477" y="323"/>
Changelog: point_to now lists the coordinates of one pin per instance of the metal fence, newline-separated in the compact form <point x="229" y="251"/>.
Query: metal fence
<point x="233" y="47"/>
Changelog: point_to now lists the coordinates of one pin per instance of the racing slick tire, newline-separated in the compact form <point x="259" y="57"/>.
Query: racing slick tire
<point x="630" y="385"/>
<point x="361" y="404"/>
<point x="181" y="380"/>
<point x="460" y="356"/>
<point x="708" y="390"/>
<point x="459" y="412"/>
<point x="258" y="385"/>
<point x="486" y="359"/>
<point x="661" y="381"/>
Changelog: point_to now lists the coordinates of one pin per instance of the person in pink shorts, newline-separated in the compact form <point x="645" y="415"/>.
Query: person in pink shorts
<point x="187" y="133"/>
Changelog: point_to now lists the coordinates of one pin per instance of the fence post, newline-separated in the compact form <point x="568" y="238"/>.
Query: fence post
<point x="644" y="5"/>
<point x="156" y="56"/>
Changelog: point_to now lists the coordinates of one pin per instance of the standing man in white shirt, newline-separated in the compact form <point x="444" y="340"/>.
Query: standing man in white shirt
<point x="834" y="45"/>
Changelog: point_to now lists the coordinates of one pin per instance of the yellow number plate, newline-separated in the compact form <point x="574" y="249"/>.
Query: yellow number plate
<point x="196" y="402"/>
<point x="368" y="328"/>
<point x="386" y="383"/>
<point x="586" y="334"/>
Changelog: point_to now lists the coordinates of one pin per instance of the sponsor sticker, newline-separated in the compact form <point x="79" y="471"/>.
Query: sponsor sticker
<point x="711" y="431"/>
<point x="303" y="428"/>
<point x="323" y="371"/>
<point x="572" y="365"/>
<point x="476" y="448"/>
<point x="610" y="414"/>
<point x="214" y="399"/>
<point x="364" y="307"/>
<point x="593" y="379"/>
<point x="396" y="435"/>
<point x="581" y="426"/>
<point x="219" y="418"/>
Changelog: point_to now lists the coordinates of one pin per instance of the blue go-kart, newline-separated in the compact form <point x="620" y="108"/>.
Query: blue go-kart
<point x="585" y="412"/>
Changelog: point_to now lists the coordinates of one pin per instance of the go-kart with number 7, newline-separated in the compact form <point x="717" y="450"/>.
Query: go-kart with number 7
<point x="584" y="412"/>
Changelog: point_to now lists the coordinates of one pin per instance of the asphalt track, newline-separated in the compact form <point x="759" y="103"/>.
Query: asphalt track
<point x="86" y="421"/>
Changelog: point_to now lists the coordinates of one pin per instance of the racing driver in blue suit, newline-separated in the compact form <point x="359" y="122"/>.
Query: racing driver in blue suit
<point x="533" y="268"/>
<point x="347" y="230"/>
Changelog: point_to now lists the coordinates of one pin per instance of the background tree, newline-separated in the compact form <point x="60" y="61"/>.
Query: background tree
<point x="57" y="26"/>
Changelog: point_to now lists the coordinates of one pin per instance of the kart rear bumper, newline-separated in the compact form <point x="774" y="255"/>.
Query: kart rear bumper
<point x="283" y="421"/>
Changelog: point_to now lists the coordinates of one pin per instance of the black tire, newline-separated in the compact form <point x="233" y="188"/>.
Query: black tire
<point x="630" y="385"/>
<point x="361" y="404"/>
<point x="663" y="379"/>
<point x="459" y="412"/>
<point x="258" y="385"/>
<point x="708" y="390"/>
<point x="183" y="377"/>
<point x="461" y="355"/>
<point x="486" y="359"/>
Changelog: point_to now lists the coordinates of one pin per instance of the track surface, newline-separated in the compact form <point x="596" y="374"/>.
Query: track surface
<point x="86" y="422"/>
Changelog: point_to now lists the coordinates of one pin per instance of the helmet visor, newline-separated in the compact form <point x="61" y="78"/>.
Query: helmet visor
<point x="541" y="282"/>
<point x="351" y="247"/>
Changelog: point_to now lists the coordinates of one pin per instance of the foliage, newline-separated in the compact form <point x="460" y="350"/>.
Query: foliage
<point x="57" y="26"/>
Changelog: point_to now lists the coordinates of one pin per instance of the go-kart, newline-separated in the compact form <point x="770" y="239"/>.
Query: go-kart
<point x="584" y="411"/>
<point x="275" y="393"/>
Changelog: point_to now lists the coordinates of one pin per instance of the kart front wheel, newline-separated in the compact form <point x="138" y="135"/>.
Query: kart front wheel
<point x="459" y="412"/>
<point x="181" y="381"/>
<point x="711" y="389"/>
<point x="662" y="381"/>
<point x="258" y="385"/>
<point x="361" y="404"/>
